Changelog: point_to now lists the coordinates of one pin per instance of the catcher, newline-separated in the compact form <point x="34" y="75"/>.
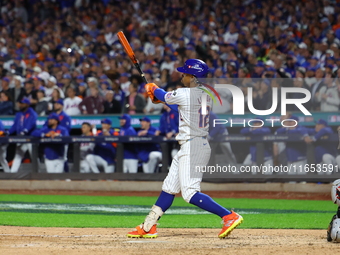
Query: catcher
<point x="333" y="231"/>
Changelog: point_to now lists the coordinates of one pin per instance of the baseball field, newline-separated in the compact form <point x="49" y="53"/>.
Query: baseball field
<point x="97" y="223"/>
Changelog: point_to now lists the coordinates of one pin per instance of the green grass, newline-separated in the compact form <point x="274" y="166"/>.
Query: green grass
<point x="307" y="214"/>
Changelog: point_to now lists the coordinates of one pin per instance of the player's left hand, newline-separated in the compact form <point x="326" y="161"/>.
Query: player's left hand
<point x="150" y="89"/>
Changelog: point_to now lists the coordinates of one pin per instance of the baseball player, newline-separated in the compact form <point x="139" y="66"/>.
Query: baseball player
<point x="324" y="150"/>
<point x="333" y="231"/>
<point x="85" y="148"/>
<point x="194" y="151"/>
<point x="104" y="154"/>
<point x="149" y="153"/>
<point x="65" y="121"/>
<point x="53" y="152"/>
<point x="3" y="151"/>
<point x="130" y="162"/>
<point x="217" y="134"/>
<point x="295" y="152"/>
<point x="24" y="124"/>
<point x="257" y="130"/>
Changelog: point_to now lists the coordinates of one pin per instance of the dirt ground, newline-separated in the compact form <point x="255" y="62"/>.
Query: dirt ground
<point x="32" y="240"/>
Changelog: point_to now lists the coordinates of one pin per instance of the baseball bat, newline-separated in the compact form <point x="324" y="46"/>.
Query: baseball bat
<point x="130" y="53"/>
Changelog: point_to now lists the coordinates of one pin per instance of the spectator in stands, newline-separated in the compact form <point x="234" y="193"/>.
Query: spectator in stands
<point x="18" y="90"/>
<point x="93" y="104"/>
<point x="71" y="103"/>
<point x="6" y="104"/>
<point x="324" y="150"/>
<point x="29" y="92"/>
<point x="111" y="105"/>
<point x="3" y="151"/>
<point x="55" y="97"/>
<point x="119" y="94"/>
<point x="125" y="83"/>
<point x="130" y="162"/>
<point x="24" y="124"/>
<point x="53" y="153"/>
<point x="295" y="152"/>
<point x="82" y="90"/>
<point x="258" y="129"/>
<point x="134" y="102"/>
<point x="41" y="107"/>
<point x="328" y="95"/>
<point x="149" y="153"/>
<point x="85" y="148"/>
<point x="319" y="75"/>
<point x="104" y="154"/>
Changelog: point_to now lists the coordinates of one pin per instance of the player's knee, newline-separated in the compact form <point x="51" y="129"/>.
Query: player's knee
<point x="335" y="230"/>
<point x="188" y="194"/>
<point x="89" y="157"/>
<point x="335" y="192"/>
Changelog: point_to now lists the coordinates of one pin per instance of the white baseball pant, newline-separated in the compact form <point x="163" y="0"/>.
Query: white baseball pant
<point x="269" y="162"/>
<point x="3" y="161"/>
<point x="154" y="158"/>
<point x="19" y="154"/>
<point x="54" y="165"/>
<point x="84" y="166"/>
<point x="328" y="160"/>
<point x="130" y="166"/>
<point x="297" y="167"/>
<point x="94" y="161"/>
<point x="182" y="175"/>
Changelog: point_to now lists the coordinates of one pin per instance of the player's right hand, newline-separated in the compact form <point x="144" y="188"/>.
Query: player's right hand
<point x="150" y="89"/>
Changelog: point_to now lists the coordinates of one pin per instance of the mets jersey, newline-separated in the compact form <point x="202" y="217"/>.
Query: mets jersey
<point x="193" y="121"/>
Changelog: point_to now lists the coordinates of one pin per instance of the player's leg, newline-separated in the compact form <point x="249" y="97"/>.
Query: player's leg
<point x="50" y="166"/>
<point x="171" y="186"/>
<point x="198" y="155"/>
<point x="3" y="161"/>
<point x="329" y="160"/>
<point x="59" y="165"/>
<point x="19" y="154"/>
<point x="228" y="153"/>
<point x="247" y="160"/>
<point x="91" y="159"/>
<point x="102" y="162"/>
<point x="130" y="166"/>
<point x="84" y="166"/>
<point x="268" y="163"/>
<point x="66" y="168"/>
<point x="154" y="158"/>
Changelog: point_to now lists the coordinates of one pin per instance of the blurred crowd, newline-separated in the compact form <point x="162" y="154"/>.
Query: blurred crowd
<point x="68" y="49"/>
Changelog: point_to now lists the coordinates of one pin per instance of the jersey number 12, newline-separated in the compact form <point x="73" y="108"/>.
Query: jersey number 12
<point x="204" y="119"/>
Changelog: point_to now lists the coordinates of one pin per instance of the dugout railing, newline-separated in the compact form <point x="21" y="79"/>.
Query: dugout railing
<point x="35" y="174"/>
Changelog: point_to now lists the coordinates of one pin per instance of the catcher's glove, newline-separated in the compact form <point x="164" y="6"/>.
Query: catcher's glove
<point x="150" y="89"/>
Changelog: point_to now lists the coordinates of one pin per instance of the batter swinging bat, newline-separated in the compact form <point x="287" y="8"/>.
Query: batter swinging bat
<point x="130" y="53"/>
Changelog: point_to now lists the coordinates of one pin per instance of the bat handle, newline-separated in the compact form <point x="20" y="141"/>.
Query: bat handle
<point x="141" y="73"/>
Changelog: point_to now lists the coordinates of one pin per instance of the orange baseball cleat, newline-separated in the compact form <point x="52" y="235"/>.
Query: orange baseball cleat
<point x="139" y="232"/>
<point x="230" y="222"/>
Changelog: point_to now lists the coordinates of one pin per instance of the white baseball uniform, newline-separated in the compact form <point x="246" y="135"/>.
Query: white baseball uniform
<point x="19" y="154"/>
<point x="3" y="161"/>
<point x="71" y="106"/>
<point x="192" y="137"/>
<point x="85" y="149"/>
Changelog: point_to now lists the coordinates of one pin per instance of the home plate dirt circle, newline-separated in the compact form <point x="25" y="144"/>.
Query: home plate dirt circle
<point x="32" y="240"/>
